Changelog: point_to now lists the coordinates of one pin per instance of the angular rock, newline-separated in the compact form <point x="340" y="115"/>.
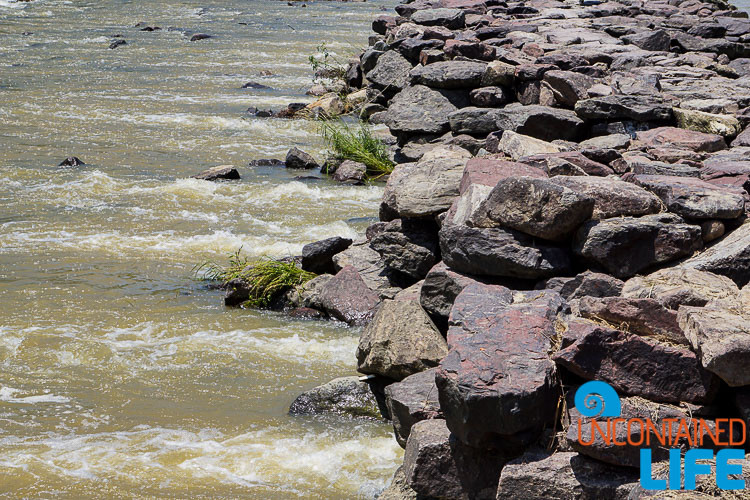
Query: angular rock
<point x="721" y="339"/>
<point x="691" y="197"/>
<point x="586" y="284"/>
<point x="390" y="72"/>
<point x="399" y="341"/>
<point x="308" y="296"/>
<point x="421" y="110"/>
<point x="490" y="97"/>
<point x="635" y="365"/>
<point x="430" y="185"/>
<point x="723" y="125"/>
<point x="625" y="246"/>
<point x="298" y="159"/>
<point x="630" y="107"/>
<point x="489" y="170"/>
<point x="227" y="172"/>
<point x="497" y="384"/>
<point x="658" y="40"/>
<point x="449" y="18"/>
<point x="408" y="247"/>
<point x="470" y="50"/>
<point x="317" y="257"/>
<point x="341" y="396"/>
<point x="473" y="121"/>
<point x="499" y="73"/>
<point x="588" y="166"/>
<point x="370" y="266"/>
<point x="676" y="286"/>
<point x="563" y="475"/>
<point x="537" y="207"/>
<point x="541" y="122"/>
<point x="567" y="87"/>
<point x="399" y="488"/>
<point x="350" y="172"/>
<point x="346" y="297"/>
<point x="612" y="197"/>
<point x="449" y="74"/>
<point x="439" y="290"/>
<point x="497" y="252"/>
<point x="518" y="145"/>
<point x="437" y="466"/>
<point x="412" y="400"/>
<point x="646" y="317"/>
<point x="682" y="139"/>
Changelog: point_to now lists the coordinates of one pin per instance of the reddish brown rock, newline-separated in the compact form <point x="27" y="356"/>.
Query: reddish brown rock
<point x="346" y="297"/>
<point x="682" y="139"/>
<point x="412" y="400"/>
<point x="489" y="170"/>
<point x="635" y="365"/>
<point x="590" y="167"/>
<point x="612" y="197"/>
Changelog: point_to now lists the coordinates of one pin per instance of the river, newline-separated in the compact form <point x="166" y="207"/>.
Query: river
<point x="122" y="376"/>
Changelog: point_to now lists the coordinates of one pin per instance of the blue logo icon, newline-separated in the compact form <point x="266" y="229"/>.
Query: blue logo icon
<point x="597" y="399"/>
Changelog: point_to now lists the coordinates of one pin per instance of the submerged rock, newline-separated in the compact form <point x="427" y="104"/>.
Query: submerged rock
<point x="341" y="396"/>
<point x="298" y="159"/>
<point x="222" y="172"/>
<point x="71" y="161"/>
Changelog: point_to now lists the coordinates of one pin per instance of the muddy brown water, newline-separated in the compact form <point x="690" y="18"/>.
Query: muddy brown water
<point x="121" y="376"/>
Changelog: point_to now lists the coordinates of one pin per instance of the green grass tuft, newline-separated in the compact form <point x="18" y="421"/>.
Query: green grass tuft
<point x="357" y="144"/>
<point x="266" y="278"/>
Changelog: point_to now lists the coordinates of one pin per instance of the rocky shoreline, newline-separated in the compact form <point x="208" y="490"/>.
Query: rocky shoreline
<point x="569" y="203"/>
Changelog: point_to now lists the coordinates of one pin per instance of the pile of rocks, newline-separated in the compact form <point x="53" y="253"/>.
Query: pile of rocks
<point x="570" y="204"/>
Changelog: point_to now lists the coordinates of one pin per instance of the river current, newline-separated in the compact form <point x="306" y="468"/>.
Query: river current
<point x="122" y="376"/>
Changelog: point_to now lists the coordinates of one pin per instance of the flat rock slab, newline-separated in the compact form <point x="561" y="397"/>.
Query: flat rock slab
<point x="541" y="122"/>
<point x="691" y="197"/>
<point x="563" y="475"/>
<point x="399" y="341"/>
<point x="612" y="197"/>
<point x="681" y="138"/>
<point x="537" y="207"/>
<point x="502" y="253"/>
<point x="729" y="257"/>
<point x="412" y="400"/>
<point x="676" y="286"/>
<point x="586" y="284"/>
<point x="346" y="297"/>
<point x="635" y="365"/>
<point x="497" y="384"/>
<point x="624" y="107"/>
<point x="222" y="172"/>
<point x="721" y="338"/>
<point x="421" y="110"/>
<point x="449" y="74"/>
<point x="449" y="18"/>
<point x="625" y="246"/>
<point x="489" y="170"/>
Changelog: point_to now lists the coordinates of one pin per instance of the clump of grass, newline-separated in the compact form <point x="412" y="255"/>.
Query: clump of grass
<point x="266" y="278"/>
<point x="357" y="144"/>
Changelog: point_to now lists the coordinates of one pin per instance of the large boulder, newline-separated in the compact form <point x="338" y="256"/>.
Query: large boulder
<point x="317" y="257"/>
<point x="436" y="465"/>
<point x="370" y="266"/>
<point x="409" y="247"/>
<point x="500" y="252"/>
<point x="449" y="74"/>
<point x="391" y="71"/>
<point x="563" y="475"/>
<point x="298" y="159"/>
<point x="645" y="317"/>
<point x="439" y="290"/>
<point x="412" y="400"/>
<point x="341" y="396"/>
<point x="721" y="338"/>
<point x="729" y="257"/>
<point x="612" y="197"/>
<point x="541" y="122"/>
<point x="449" y="18"/>
<point x="537" y="207"/>
<point x="421" y="110"/>
<point x="564" y="88"/>
<point x="627" y="245"/>
<point x="429" y="186"/>
<point x="497" y="385"/>
<point x="681" y="138"/>
<point x="550" y="160"/>
<point x="474" y="121"/>
<point x="676" y="286"/>
<point x="635" y="365"/>
<point x="629" y="107"/>
<point x="489" y="170"/>
<point x="654" y="40"/>
<point x="399" y="341"/>
<point x="518" y="145"/>
<point x="346" y="297"/>
<point x="691" y="197"/>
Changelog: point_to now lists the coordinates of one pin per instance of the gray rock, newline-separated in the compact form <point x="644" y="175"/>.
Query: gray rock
<point x="346" y="297"/>
<point x="586" y="284"/>
<point x="449" y="18"/>
<point x="370" y="266"/>
<point x="391" y="71"/>
<point x="541" y="122"/>
<point x="625" y="246"/>
<point x="421" y="110"/>
<point x="518" y="146"/>
<point x="499" y="252"/>
<point x="440" y="288"/>
<point x="399" y="488"/>
<point x="350" y="172"/>
<point x="676" y="286"/>
<point x="309" y="294"/>
<point x="474" y="121"/>
<point x="317" y="257"/>
<point x="658" y="40"/>
<point x="563" y="476"/>
<point x="409" y="247"/>
<point x="400" y="340"/>
<point x="222" y="172"/>
<point x="450" y="74"/>
<point x="537" y="207"/>
<point x="340" y="396"/>
<point x="493" y="97"/>
<point x="412" y="400"/>
<point x="612" y="197"/>
<point x="638" y="108"/>
<point x="566" y="88"/>
<point x="298" y="159"/>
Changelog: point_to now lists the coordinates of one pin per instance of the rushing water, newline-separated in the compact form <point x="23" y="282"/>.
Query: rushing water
<point x="120" y="375"/>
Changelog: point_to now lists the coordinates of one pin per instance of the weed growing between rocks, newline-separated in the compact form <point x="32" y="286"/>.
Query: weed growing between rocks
<point x="357" y="144"/>
<point x="265" y="278"/>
